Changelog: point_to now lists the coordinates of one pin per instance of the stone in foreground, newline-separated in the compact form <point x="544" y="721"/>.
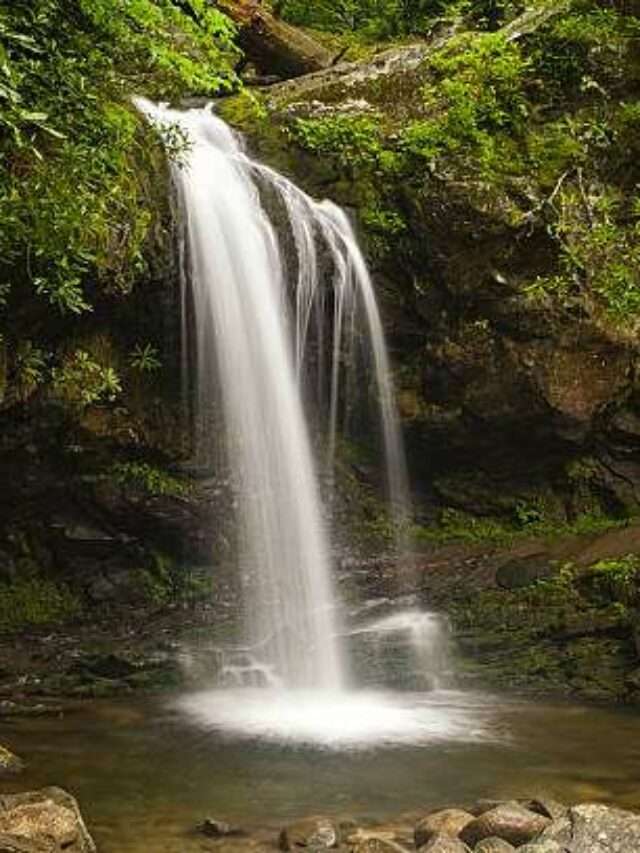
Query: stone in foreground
<point x="494" y="845"/>
<point x="449" y="822"/>
<point x="511" y="822"/>
<point x="595" y="829"/>
<point x="314" y="832"/>
<point x="444" y="844"/>
<point x="43" y="821"/>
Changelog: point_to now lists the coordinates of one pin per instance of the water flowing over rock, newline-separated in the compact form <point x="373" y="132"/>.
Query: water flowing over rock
<point x="246" y="353"/>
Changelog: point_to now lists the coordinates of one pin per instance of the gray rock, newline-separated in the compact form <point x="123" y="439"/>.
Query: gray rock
<point x="511" y="822"/>
<point x="372" y="842"/>
<point x="445" y="844"/>
<point x="446" y="822"/>
<point x="313" y="832"/>
<point x="523" y="571"/>
<point x="595" y="829"/>
<point x="49" y="820"/>
<point x="494" y="845"/>
<point x="541" y="847"/>
<point x="217" y="828"/>
<point x="10" y="764"/>
<point x="547" y="808"/>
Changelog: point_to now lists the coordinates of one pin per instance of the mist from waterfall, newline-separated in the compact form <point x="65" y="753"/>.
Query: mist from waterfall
<point x="272" y="315"/>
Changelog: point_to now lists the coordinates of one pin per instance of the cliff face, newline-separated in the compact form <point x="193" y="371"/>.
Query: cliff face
<point x="495" y="179"/>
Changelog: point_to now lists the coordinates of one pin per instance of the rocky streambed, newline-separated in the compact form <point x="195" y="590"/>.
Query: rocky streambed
<point x="49" y="821"/>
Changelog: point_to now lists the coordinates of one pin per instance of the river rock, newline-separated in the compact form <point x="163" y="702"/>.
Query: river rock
<point x="444" y="844"/>
<point x="494" y="845"/>
<point x="314" y="832"/>
<point x="511" y="822"/>
<point x="541" y="847"/>
<point x="217" y="828"/>
<point x="376" y="843"/>
<point x="49" y="820"/>
<point x="595" y="829"/>
<point x="15" y="844"/>
<point x="10" y="764"/>
<point x="547" y="808"/>
<point x="446" y="822"/>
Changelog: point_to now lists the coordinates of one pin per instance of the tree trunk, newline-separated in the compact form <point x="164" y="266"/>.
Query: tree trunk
<point x="274" y="46"/>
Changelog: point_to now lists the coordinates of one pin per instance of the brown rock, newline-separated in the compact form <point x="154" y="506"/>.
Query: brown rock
<point x="494" y="845"/>
<point x="511" y="822"/>
<point x="444" y="844"/>
<point x="49" y="819"/>
<point x="448" y="822"/>
<point x="310" y="832"/>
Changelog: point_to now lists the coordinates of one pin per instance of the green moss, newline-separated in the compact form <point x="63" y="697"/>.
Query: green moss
<point x="153" y="481"/>
<point x="35" y="602"/>
<point x="528" y="521"/>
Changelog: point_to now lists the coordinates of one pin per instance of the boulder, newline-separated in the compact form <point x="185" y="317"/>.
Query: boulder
<point x="494" y="845"/>
<point x="444" y="844"/>
<point x="547" y="807"/>
<point x="595" y="829"/>
<point x="314" y="832"/>
<point x="43" y="821"/>
<point x="446" y="822"/>
<point x="10" y="764"/>
<point x="511" y="822"/>
<point x="541" y="847"/>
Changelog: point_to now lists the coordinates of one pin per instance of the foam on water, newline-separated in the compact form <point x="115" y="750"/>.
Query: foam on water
<point x="350" y="719"/>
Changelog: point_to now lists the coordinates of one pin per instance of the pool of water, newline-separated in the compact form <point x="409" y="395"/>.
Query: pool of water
<point x="146" y="772"/>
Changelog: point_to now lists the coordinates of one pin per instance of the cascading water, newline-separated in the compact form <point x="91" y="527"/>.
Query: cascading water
<point x="254" y="353"/>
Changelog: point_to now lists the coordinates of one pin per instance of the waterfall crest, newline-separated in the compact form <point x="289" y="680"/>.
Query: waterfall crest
<point x="253" y="337"/>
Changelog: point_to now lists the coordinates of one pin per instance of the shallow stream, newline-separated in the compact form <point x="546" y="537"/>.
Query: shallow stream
<point x="146" y="772"/>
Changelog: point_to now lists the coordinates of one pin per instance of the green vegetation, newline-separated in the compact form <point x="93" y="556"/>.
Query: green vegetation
<point x="392" y="18"/>
<point x="34" y="602"/>
<point x="540" y="132"/>
<point x="571" y="633"/>
<point x="153" y="481"/>
<point x="528" y="521"/>
<point x="78" y="168"/>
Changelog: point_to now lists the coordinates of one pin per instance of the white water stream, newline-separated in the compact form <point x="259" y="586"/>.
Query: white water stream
<point x="260" y="334"/>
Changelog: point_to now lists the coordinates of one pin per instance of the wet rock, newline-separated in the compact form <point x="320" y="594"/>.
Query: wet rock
<point x="444" y="844"/>
<point x="15" y="844"/>
<point x="541" y="847"/>
<point x="49" y="819"/>
<point x="105" y="666"/>
<point x="313" y="832"/>
<point x="10" y="764"/>
<point x="446" y="822"/>
<point x="376" y="843"/>
<point x="595" y="829"/>
<point x="511" y="822"/>
<point x="494" y="845"/>
<point x="217" y="828"/>
<point x="523" y="571"/>
<point x="547" y="808"/>
<point x="485" y="805"/>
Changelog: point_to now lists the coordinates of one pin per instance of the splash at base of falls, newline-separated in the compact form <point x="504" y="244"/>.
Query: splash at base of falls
<point x="349" y="719"/>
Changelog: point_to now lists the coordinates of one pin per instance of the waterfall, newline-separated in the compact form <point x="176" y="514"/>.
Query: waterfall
<point x="259" y="333"/>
